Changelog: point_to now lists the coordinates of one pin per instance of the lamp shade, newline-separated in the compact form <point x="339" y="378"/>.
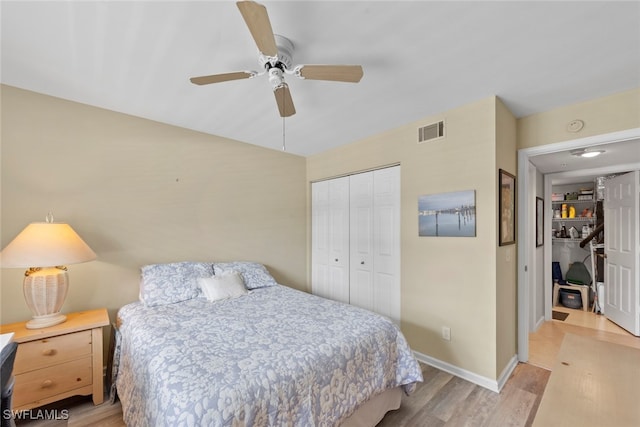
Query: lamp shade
<point x="44" y="248"/>
<point x="46" y="244"/>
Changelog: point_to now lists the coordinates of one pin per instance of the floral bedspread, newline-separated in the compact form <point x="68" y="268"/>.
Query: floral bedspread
<point x="276" y="357"/>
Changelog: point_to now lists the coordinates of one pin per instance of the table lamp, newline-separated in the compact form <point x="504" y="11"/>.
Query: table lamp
<point x="45" y="248"/>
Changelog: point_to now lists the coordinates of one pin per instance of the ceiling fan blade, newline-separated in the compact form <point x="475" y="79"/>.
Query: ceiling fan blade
<point x="284" y="101"/>
<point x="217" y="78"/>
<point x="256" y="17"/>
<point x="336" y="73"/>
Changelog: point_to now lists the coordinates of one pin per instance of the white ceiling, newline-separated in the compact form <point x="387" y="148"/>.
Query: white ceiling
<point x="419" y="58"/>
<point x="565" y="167"/>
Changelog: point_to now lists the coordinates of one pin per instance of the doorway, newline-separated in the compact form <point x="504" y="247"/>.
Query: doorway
<point x="526" y="270"/>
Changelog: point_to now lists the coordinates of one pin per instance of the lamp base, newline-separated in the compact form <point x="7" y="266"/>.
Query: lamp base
<point x="44" y="292"/>
<point x="39" y="322"/>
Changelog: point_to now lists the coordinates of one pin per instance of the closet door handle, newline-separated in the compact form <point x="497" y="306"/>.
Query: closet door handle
<point x="362" y="262"/>
<point x="336" y="259"/>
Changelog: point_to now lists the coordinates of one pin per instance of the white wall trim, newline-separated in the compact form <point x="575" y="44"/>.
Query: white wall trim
<point x="485" y="382"/>
<point x="588" y="141"/>
<point x="540" y="322"/>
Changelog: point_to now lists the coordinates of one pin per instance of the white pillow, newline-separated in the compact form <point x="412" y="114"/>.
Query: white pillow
<point x="255" y="275"/>
<point x="224" y="286"/>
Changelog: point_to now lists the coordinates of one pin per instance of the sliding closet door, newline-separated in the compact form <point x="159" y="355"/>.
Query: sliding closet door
<point x="330" y="239"/>
<point x="375" y="241"/>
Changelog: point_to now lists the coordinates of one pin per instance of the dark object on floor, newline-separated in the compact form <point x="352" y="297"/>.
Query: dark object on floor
<point x="570" y="298"/>
<point x="7" y="357"/>
<point x="556" y="273"/>
<point x="558" y="315"/>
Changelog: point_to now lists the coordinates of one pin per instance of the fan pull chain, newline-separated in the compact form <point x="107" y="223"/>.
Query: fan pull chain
<point x="284" y="145"/>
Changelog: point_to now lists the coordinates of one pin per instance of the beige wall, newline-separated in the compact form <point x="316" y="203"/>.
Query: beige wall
<point x="141" y="192"/>
<point x="447" y="281"/>
<point x="506" y="259"/>
<point x="604" y="115"/>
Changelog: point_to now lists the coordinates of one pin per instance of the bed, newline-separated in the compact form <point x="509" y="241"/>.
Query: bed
<point x="223" y="344"/>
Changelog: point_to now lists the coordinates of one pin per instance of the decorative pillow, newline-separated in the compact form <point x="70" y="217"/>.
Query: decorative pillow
<point x="255" y="275"/>
<point x="172" y="282"/>
<point x="228" y="285"/>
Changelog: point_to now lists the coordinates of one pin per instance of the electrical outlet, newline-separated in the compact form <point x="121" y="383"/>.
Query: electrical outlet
<point x="446" y="333"/>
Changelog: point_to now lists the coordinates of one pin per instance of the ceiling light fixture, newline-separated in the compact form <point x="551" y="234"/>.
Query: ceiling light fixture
<point x="583" y="152"/>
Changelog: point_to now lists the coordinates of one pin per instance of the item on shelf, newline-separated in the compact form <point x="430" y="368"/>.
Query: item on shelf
<point x="564" y="210"/>
<point x="585" y="197"/>
<point x="585" y="231"/>
<point x="557" y="197"/>
<point x="600" y="187"/>
<point x="578" y="274"/>
<point x="586" y="213"/>
<point x="556" y="213"/>
<point x="573" y="233"/>
<point x="563" y="231"/>
<point x="571" y="196"/>
<point x="572" y="212"/>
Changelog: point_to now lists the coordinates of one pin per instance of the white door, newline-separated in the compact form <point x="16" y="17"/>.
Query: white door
<point x="330" y="239"/>
<point x="622" y="251"/>
<point x="361" y="292"/>
<point x="356" y="240"/>
<point x="375" y="241"/>
<point x="386" y="231"/>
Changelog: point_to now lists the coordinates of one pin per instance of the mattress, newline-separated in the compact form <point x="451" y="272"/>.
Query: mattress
<point x="276" y="357"/>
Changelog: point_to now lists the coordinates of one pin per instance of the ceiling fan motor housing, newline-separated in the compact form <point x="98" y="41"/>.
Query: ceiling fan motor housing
<point x="284" y="59"/>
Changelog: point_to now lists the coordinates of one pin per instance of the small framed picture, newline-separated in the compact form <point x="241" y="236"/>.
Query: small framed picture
<point x="539" y="222"/>
<point x="507" y="208"/>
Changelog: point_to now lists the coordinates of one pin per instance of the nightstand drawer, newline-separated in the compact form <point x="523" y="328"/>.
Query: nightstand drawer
<point x="59" y="361"/>
<point x="51" y="351"/>
<point x="43" y="383"/>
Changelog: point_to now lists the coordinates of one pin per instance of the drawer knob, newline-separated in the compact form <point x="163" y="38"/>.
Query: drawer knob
<point x="49" y="352"/>
<point x="47" y="383"/>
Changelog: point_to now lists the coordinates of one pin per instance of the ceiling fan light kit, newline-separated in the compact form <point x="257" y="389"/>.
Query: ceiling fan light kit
<point x="276" y="59"/>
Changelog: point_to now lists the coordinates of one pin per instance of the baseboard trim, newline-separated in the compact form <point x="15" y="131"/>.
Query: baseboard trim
<point x="485" y="382"/>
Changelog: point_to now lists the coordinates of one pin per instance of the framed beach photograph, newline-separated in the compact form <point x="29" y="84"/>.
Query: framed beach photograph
<point x="506" y="208"/>
<point x="447" y="214"/>
<point x="539" y="222"/>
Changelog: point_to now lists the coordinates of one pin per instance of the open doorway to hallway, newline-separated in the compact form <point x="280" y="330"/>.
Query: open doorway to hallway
<point x="534" y="277"/>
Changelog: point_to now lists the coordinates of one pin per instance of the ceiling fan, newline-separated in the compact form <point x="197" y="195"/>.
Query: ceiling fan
<point x="276" y="59"/>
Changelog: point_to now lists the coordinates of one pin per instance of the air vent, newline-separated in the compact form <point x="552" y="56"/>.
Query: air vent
<point x="431" y="132"/>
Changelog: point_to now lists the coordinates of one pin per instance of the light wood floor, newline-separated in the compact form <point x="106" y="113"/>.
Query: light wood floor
<point x="442" y="399"/>
<point x="544" y="344"/>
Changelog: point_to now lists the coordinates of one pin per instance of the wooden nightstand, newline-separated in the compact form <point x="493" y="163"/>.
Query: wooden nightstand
<point x="59" y="361"/>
